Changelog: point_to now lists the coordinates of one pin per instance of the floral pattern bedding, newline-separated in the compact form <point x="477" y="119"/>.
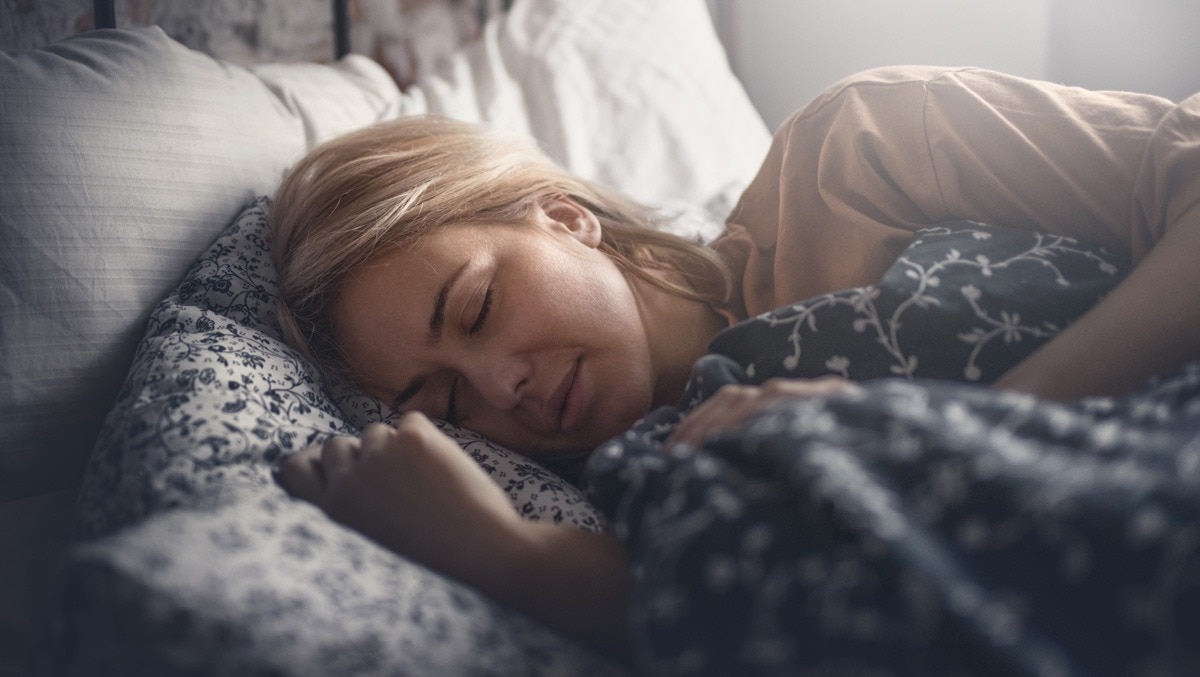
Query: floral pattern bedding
<point x="200" y="564"/>
<point x="922" y="526"/>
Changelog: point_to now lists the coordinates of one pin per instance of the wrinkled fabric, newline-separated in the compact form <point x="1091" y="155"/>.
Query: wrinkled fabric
<point x="921" y="528"/>
<point x="918" y="527"/>
<point x="877" y="156"/>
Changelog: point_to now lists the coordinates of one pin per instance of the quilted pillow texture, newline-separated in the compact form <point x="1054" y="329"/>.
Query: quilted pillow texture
<point x="122" y="155"/>
<point x="963" y="302"/>
<point x="213" y="399"/>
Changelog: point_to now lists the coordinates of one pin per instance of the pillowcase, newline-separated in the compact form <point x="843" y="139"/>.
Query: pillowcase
<point x="265" y="585"/>
<point x="637" y="94"/>
<point x="963" y="302"/>
<point x="215" y="396"/>
<point x="217" y="570"/>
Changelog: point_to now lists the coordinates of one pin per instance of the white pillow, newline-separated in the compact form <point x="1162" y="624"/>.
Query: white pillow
<point x="637" y="94"/>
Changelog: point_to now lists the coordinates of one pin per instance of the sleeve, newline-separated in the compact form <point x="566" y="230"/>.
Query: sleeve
<point x="877" y="156"/>
<point x="1167" y="192"/>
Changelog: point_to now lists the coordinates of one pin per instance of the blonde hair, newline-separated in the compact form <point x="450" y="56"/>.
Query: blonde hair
<point x="383" y="187"/>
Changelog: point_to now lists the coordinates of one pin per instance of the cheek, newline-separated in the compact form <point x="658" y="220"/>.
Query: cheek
<point x="625" y="371"/>
<point x="603" y="299"/>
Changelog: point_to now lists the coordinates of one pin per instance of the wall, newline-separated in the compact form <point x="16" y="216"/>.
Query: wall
<point x="786" y="51"/>
<point x="1142" y="45"/>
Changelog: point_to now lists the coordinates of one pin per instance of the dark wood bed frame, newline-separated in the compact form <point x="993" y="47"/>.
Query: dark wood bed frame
<point x="106" y="17"/>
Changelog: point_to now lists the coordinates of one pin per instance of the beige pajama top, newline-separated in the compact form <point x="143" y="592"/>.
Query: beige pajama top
<point x="875" y="157"/>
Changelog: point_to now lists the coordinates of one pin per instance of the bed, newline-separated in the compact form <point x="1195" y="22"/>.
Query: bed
<point x="919" y="525"/>
<point x="146" y="391"/>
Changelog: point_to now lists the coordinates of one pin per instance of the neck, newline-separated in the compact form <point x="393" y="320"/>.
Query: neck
<point x="679" y="331"/>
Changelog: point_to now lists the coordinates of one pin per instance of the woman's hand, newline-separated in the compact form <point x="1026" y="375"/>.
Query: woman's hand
<point x="412" y="489"/>
<point x="732" y="405"/>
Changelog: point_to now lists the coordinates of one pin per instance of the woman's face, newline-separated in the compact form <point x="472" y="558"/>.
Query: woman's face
<point x="528" y="334"/>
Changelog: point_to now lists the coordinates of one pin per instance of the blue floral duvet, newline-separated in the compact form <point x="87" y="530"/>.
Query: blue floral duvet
<point x="924" y="526"/>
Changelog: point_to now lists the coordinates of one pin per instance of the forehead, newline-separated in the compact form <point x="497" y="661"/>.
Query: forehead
<point x="387" y="301"/>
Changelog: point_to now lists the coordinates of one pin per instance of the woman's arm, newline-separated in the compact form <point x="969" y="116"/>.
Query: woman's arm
<point x="1148" y="325"/>
<point x="732" y="405"/>
<point x="891" y="150"/>
<point x="413" y="490"/>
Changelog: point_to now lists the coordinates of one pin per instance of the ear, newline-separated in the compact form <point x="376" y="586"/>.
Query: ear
<point x="576" y="220"/>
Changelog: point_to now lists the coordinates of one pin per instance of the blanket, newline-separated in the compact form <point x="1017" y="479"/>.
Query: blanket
<point x="921" y="526"/>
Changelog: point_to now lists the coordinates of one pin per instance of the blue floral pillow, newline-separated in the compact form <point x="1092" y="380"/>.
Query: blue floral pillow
<point x="265" y="585"/>
<point x="963" y="302"/>
<point x="214" y="397"/>
<point x="200" y="564"/>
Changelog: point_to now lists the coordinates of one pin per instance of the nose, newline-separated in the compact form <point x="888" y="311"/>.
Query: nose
<point x="498" y="375"/>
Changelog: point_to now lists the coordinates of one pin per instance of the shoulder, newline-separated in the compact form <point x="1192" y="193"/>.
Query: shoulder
<point x="886" y="81"/>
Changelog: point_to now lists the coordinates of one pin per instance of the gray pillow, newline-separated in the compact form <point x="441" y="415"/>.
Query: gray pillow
<point x="122" y="155"/>
<point x="118" y="166"/>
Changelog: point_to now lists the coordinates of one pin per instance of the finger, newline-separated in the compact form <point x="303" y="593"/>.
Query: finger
<point x="415" y="422"/>
<point x="687" y="430"/>
<point x="424" y="444"/>
<point x="720" y="411"/>
<point x="731" y="406"/>
<point x="338" y="455"/>
<point x="415" y="430"/>
<point x="301" y="475"/>
<point x="376" y="437"/>
<point x="697" y="425"/>
<point x="724" y="418"/>
<point x="804" y="388"/>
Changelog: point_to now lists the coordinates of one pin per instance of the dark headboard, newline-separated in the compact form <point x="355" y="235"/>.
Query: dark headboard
<point x="106" y="17"/>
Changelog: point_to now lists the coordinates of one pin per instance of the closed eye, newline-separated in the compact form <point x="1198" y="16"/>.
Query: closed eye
<point x="452" y="405"/>
<point x="483" y="313"/>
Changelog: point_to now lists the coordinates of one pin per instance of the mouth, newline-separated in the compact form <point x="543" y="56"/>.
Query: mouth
<point x="569" y="399"/>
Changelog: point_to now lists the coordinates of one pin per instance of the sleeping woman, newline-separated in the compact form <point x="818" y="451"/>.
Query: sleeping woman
<point x="765" y="522"/>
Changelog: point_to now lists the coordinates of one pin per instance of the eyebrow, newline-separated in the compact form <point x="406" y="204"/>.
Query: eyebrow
<point x="437" y="322"/>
